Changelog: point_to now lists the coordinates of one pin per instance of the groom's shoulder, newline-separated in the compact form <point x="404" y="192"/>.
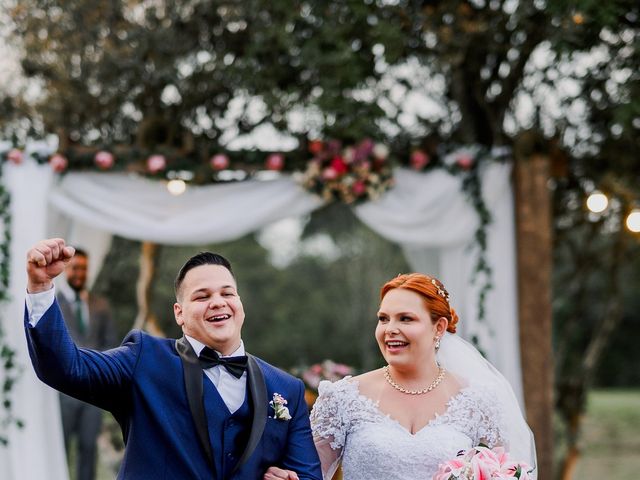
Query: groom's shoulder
<point x="276" y="373"/>
<point x="146" y="340"/>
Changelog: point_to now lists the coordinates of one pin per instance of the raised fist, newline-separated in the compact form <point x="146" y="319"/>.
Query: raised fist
<point x="45" y="261"/>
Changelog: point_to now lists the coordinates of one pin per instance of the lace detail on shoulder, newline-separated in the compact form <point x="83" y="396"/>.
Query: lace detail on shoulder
<point x="339" y="409"/>
<point x="330" y="416"/>
<point x="476" y="411"/>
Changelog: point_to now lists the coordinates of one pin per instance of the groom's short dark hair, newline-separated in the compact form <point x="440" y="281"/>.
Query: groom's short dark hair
<point x="202" y="258"/>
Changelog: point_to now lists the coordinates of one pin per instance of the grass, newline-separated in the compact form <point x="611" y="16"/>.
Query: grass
<point x="611" y="436"/>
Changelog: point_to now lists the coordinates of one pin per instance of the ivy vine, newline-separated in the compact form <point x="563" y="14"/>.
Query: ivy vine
<point x="472" y="187"/>
<point x="7" y="354"/>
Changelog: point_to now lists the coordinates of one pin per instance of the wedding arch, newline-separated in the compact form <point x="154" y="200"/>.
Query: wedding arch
<point x="426" y="214"/>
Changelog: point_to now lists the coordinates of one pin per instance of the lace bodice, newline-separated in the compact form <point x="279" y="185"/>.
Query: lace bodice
<point x="374" y="446"/>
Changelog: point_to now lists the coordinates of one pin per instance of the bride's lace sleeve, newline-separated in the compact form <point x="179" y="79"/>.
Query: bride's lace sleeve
<point x="330" y="422"/>
<point x="490" y="426"/>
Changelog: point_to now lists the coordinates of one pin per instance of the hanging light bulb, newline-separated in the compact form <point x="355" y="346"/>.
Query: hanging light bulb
<point x="176" y="186"/>
<point x="633" y="220"/>
<point x="597" y="202"/>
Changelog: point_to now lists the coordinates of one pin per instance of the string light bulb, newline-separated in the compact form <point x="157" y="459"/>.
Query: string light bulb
<point x="597" y="202"/>
<point x="176" y="186"/>
<point x="633" y="220"/>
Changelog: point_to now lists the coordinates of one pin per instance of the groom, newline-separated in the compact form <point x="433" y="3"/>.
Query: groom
<point x="194" y="408"/>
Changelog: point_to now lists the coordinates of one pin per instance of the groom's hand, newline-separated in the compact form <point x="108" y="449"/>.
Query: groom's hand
<point x="45" y="261"/>
<point x="275" y="473"/>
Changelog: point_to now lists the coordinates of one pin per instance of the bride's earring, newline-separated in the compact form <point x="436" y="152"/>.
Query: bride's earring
<point x="437" y="343"/>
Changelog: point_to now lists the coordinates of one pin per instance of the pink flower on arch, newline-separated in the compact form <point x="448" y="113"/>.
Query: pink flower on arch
<point x="156" y="163"/>
<point x="15" y="156"/>
<point x="275" y="161"/>
<point x="219" y="162"/>
<point x="465" y="161"/>
<point x="58" y="163"/>
<point x="419" y="159"/>
<point x="104" y="160"/>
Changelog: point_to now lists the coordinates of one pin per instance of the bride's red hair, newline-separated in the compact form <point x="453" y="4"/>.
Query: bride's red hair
<point x="431" y="290"/>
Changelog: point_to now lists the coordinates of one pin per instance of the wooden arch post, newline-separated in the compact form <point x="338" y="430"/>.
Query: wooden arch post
<point x="534" y="262"/>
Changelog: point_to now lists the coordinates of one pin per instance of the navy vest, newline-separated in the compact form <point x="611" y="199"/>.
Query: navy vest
<point x="228" y="433"/>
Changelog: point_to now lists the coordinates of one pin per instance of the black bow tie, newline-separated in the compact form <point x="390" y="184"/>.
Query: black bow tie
<point x="236" y="366"/>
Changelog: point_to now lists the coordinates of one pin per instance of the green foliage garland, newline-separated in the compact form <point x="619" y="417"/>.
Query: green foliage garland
<point x="466" y="161"/>
<point x="7" y="354"/>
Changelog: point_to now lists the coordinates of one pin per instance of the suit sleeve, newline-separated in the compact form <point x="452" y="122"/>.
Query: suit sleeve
<point x="100" y="378"/>
<point x="301" y="455"/>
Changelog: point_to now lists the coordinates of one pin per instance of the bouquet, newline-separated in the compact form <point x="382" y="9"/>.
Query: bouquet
<point x="327" y="370"/>
<point x="312" y="376"/>
<point x="353" y="174"/>
<point x="483" y="463"/>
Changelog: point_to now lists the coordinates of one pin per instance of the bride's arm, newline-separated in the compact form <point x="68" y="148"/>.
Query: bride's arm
<point x="329" y="423"/>
<point x="329" y="458"/>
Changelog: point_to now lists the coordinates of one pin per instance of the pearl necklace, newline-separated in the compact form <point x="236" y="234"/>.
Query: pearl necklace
<point x="434" y="384"/>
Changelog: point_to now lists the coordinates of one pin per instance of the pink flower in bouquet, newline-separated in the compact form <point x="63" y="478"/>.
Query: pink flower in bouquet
<point x="58" y="163"/>
<point x="327" y="370"/>
<point x="349" y="155"/>
<point x="275" y="161"/>
<point x="15" y="156"/>
<point x="363" y="150"/>
<point x="312" y="377"/>
<point x="419" y="159"/>
<point x="482" y="463"/>
<point x="104" y="160"/>
<point x="316" y="146"/>
<point x="380" y="151"/>
<point x="359" y="188"/>
<point x="342" y="370"/>
<point x="219" y="162"/>
<point x="453" y="468"/>
<point x="334" y="146"/>
<point x="339" y="165"/>
<point x="329" y="173"/>
<point x="485" y="463"/>
<point x="156" y="163"/>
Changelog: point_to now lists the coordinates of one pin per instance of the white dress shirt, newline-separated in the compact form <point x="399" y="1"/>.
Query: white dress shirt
<point x="231" y="389"/>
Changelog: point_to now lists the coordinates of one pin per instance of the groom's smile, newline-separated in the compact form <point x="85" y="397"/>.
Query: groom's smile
<point x="218" y="318"/>
<point x="209" y="308"/>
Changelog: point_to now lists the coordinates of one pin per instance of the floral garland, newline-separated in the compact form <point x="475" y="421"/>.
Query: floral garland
<point x="352" y="174"/>
<point x="7" y="354"/>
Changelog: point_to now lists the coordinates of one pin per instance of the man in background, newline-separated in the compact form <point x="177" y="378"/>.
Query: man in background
<point x="90" y="324"/>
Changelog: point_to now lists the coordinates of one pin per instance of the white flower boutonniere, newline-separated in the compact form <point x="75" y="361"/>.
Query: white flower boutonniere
<point x="280" y="411"/>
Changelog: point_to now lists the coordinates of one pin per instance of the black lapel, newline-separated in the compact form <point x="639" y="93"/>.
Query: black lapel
<point x="193" y="385"/>
<point x="258" y="391"/>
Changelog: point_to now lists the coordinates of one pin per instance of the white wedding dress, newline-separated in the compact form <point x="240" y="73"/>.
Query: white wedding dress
<point x="349" y="428"/>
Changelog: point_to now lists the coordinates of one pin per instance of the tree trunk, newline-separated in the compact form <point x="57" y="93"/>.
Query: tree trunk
<point x="144" y="289"/>
<point x="534" y="260"/>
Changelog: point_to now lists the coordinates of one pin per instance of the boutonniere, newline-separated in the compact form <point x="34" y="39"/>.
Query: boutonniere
<point x="280" y="411"/>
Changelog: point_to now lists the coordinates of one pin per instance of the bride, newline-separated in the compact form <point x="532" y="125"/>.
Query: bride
<point x="436" y="396"/>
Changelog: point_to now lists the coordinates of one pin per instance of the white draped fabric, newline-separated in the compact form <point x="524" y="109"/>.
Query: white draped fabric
<point x="426" y="213"/>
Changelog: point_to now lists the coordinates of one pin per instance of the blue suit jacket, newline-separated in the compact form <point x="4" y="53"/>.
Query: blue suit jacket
<point x="151" y="388"/>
